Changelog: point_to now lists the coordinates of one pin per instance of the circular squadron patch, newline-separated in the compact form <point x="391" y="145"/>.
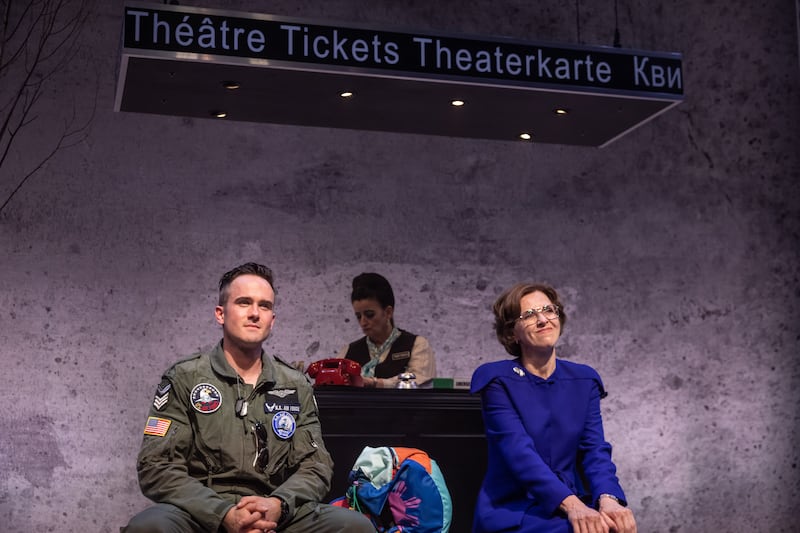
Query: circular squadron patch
<point x="206" y="398"/>
<point x="283" y="424"/>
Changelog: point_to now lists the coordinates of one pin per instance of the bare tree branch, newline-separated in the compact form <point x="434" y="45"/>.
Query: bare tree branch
<point x="38" y="38"/>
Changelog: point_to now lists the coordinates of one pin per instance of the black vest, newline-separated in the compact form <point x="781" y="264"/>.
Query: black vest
<point x="395" y="363"/>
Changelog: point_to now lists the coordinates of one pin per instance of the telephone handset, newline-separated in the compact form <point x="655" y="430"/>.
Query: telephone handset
<point x="336" y="371"/>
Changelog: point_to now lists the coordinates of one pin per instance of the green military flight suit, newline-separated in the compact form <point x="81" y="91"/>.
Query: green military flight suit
<point x="198" y="455"/>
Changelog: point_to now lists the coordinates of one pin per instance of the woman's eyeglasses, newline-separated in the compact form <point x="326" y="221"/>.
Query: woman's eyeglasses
<point x="549" y="312"/>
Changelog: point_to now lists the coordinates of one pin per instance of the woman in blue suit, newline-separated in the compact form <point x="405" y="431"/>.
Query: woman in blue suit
<point x="550" y="468"/>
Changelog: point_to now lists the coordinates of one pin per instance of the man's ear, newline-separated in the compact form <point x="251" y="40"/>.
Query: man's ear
<point x="219" y="314"/>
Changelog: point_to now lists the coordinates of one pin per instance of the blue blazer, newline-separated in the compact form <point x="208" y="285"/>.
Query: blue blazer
<point x="545" y="442"/>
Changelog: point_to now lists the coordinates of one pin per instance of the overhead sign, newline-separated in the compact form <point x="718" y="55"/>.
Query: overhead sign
<point x="265" y="38"/>
<point x="268" y="41"/>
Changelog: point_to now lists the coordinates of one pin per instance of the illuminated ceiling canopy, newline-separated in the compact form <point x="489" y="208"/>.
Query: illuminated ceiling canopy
<point x="205" y="63"/>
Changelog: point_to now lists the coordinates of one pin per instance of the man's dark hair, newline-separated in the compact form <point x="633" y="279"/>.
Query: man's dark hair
<point x="372" y="286"/>
<point x="247" y="268"/>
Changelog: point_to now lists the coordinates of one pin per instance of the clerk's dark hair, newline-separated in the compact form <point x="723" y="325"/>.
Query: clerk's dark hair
<point x="507" y="309"/>
<point x="247" y="268"/>
<point x="372" y="286"/>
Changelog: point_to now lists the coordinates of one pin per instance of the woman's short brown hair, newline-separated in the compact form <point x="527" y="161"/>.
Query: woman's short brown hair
<point x="507" y="310"/>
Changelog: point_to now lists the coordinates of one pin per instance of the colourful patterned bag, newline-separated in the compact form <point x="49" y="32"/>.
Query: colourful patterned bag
<point x="400" y="490"/>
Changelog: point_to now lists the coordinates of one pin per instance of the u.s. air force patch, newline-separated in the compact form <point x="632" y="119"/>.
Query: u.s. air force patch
<point x="283" y="424"/>
<point x="162" y="395"/>
<point x="206" y="398"/>
<point x="287" y="400"/>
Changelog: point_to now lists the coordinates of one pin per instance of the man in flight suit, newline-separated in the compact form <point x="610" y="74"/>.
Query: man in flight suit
<point x="233" y="442"/>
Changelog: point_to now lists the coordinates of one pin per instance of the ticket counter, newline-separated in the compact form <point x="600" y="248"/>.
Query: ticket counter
<point x="445" y="423"/>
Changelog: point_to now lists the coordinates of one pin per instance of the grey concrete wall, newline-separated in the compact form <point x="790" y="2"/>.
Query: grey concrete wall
<point x="676" y="249"/>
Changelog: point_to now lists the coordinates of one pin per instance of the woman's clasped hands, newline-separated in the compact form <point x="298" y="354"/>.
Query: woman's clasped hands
<point x="610" y="518"/>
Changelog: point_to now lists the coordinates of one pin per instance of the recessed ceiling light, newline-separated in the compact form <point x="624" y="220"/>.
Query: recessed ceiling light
<point x="219" y="114"/>
<point x="457" y="103"/>
<point x="231" y="85"/>
<point x="525" y="136"/>
<point x="346" y="94"/>
<point x="561" y="111"/>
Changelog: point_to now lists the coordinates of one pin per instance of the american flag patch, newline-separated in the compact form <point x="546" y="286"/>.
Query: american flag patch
<point x="156" y="426"/>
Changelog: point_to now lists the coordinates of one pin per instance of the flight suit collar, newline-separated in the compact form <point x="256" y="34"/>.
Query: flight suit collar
<point x="221" y="366"/>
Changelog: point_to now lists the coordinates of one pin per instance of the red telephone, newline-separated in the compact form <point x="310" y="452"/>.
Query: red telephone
<point x="336" y="371"/>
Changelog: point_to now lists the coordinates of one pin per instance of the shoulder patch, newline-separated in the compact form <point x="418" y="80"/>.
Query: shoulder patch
<point x="206" y="398"/>
<point x="162" y="395"/>
<point x="157" y="427"/>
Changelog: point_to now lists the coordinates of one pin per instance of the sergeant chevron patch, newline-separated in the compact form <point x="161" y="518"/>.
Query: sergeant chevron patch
<point x="162" y="395"/>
